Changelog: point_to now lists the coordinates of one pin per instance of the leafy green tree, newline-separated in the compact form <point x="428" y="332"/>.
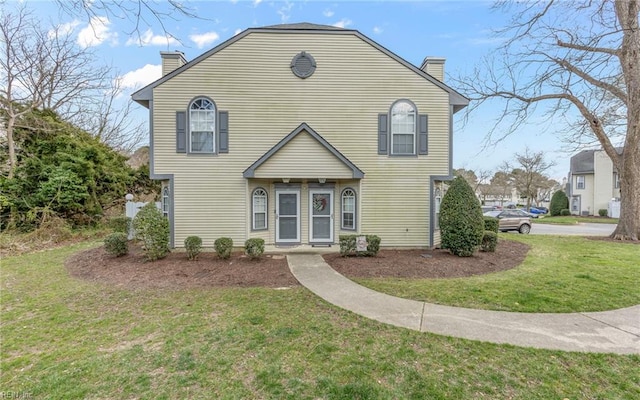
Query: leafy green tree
<point x="461" y="221"/>
<point x="559" y="202"/>
<point x="64" y="171"/>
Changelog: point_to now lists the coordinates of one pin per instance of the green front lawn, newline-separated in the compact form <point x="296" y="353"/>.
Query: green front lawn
<point x="67" y="339"/>
<point x="572" y="220"/>
<point x="560" y="274"/>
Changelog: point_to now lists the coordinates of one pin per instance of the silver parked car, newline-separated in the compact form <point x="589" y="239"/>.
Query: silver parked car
<point x="511" y="220"/>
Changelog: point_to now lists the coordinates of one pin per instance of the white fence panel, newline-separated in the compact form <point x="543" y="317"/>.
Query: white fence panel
<point x="614" y="209"/>
<point x="132" y="209"/>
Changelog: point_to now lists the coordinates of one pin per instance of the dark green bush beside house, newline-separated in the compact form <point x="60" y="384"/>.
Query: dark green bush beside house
<point x="491" y="224"/>
<point x="193" y="246"/>
<point x="565" y="212"/>
<point x="489" y="241"/>
<point x="559" y="202"/>
<point x="254" y="248"/>
<point x="349" y="245"/>
<point x="152" y="229"/>
<point x="116" y="244"/>
<point x="461" y="220"/>
<point x="602" y="212"/>
<point x="224" y="247"/>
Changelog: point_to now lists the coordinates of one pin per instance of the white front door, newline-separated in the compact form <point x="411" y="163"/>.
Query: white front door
<point x="287" y="216"/>
<point x="320" y="216"/>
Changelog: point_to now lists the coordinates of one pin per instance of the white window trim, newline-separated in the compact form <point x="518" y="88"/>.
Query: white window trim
<point x="213" y="132"/>
<point x="254" y="212"/>
<point x="580" y="179"/>
<point x="393" y="134"/>
<point x="342" y="211"/>
<point x="165" y="201"/>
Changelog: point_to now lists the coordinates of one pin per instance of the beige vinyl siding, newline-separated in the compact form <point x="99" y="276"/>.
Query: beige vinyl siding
<point x="341" y="101"/>
<point x="304" y="157"/>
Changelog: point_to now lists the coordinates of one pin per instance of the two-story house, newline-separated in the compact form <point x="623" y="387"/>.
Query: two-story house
<point x="298" y="133"/>
<point x="593" y="182"/>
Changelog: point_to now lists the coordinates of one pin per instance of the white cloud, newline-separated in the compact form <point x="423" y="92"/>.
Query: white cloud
<point x="237" y="31"/>
<point x="285" y="11"/>
<point x="96" y="33"/>
<point x="328" y="13"/>
<point x="140" y="77"/>
<point x="343" y="23"/>
<point x="377" y="30"/>
<point x="204" y="39"/>
<point x="64" y="29"/>
<point x="148" y="38"/>
<point x="256" y="2"/>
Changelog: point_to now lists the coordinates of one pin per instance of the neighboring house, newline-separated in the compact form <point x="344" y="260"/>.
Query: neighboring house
<point x="299" y="133"/>
<point x="592" y="183"/>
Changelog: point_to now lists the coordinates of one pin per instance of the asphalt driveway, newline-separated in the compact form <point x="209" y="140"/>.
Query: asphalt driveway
<point x="582" y="229"/>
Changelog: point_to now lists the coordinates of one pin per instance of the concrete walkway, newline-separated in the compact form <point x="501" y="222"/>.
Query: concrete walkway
<point x="615" y="331"/>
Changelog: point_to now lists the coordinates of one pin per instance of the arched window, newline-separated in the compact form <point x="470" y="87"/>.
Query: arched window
<point x="202" y="123"/>
<point x="403" y="128"/>
<point x="259" y="202"/>
<point x="165" y="201"/>
<point x="348" y="218"/>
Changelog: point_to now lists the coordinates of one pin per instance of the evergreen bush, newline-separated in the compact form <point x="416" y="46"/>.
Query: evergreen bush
<point x="152" y="229"/>
<point x="193" y="245"/>
<point x="224" y="247"/>
<point x="254" y="247"/>
<point x="461" y="220"/>
<point x="559" y="202"/>
<point x="489" y="241"/>
<point x="348" y="245"/>
<point x="116" y="244"/>
<point x="120" y="224"/>
<point x="565" y="212"/>
<point x="603" y="212"/>
<point x="491" y="224"/>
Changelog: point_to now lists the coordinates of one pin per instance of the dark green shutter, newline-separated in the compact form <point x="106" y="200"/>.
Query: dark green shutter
<point x="223" y="131"/>
<point x="383" y="135"/>
<point x="423" y="122"/>
<point x="181" y="132"/>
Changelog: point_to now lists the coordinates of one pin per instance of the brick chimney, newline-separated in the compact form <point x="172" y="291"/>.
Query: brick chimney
<point x="434" y="66"/>
<point x="172" y="60"/>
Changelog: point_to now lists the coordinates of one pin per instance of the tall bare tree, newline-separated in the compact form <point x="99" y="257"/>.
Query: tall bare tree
<point x="527" y="173"/>
<point x="43" y="68"/>
<point x="578" y="58"/>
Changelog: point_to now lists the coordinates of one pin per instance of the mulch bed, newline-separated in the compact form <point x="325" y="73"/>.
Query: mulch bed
<point x="176" y="272"/>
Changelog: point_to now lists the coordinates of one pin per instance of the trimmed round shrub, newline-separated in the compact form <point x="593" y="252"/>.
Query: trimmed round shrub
<point x="224" y="247"/>
<point x="491" y="224"/>
<point x="193" y="246"/>
<point x="461" y="220"/>
<point x="116" y="244"/>
<point x="603" y="212"/>
<point x="348" y="245"/>
<point x="120" y="224"/>
<point x="489" y="241"/>
<point x="559" y="202"/>
<point x="152" y="229"/>
<point x="565" y="212"/>
<point x="254" y="247"/>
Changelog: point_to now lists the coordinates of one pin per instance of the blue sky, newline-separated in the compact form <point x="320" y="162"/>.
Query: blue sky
<point x="460" y="31"/>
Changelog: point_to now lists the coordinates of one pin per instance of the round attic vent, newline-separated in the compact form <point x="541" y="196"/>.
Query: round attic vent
<point x="303" y="65"/>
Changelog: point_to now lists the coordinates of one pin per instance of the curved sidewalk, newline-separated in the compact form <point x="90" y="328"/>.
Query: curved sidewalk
<point x="615" y="331"/>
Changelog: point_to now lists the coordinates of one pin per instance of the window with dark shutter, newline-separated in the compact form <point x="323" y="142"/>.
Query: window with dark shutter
<point x="423" y="123"/>
<point x="223" y="118"/>
<point x="383" y="138"/>
<point x="181" y="132"/>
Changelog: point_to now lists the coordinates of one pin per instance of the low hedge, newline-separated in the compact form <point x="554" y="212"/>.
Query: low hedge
<point x="254" y="247"/>
<point x="116" y="244"/>
<point x="348" y="245"/>
<point x="491" y="224"/>
<point x="489" y="241"/>
<point x="224" y="247"/>
<point x="193" y="245"/>
<point x="565" y="212"/>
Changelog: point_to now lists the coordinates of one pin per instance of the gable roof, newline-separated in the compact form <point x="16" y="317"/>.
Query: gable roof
<point x="457" y="100"/>
<point x="583" y="162"/>
<point x="356" y="172"/>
